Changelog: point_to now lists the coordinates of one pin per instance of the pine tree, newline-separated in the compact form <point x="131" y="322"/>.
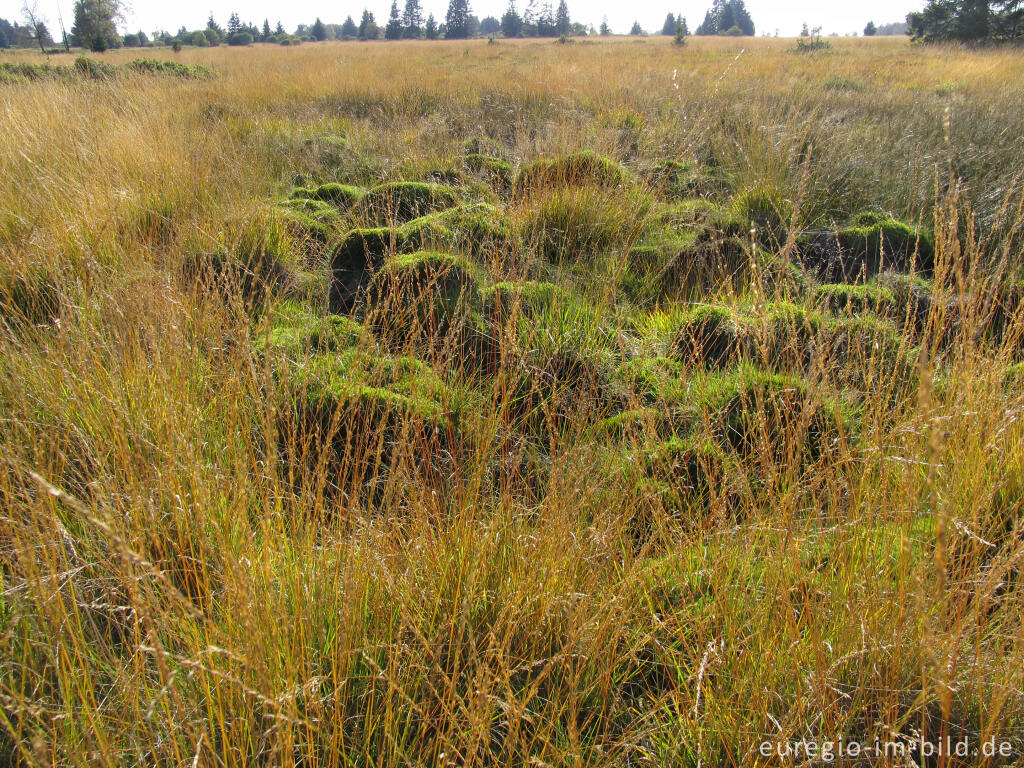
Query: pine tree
<point x="669" y="28"/>
<point x="431" y="29"/>
<point x="636" y="29"/>
<point x="724" y="16"/>
<point x="265" y="35"/>
<point x="968" y="20"/>
<point x="605" y="29"/>
<point x="562" y="21"/>
<point x="412" y="19"/>
<point x="349" y="28"/>
<point x="279" y="29"/>
<point x="234" y="24"/>
<point x="457" y="20"/>
<point x="211" y="23"/>
<point x="393" y="31"/>
<point x="319" y="31"/>
<point x="511" y="21"/>
<point x="870" y="30"/>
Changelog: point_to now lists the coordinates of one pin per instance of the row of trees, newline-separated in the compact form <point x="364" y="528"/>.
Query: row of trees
<point x="725" y="17"/>
<point x="968" y="21"/>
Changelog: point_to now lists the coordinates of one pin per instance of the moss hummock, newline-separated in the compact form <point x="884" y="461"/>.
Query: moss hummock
<point x="402" y="201"/>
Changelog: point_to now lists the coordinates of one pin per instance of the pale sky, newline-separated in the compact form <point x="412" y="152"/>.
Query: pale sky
<point x="786" y="16"/>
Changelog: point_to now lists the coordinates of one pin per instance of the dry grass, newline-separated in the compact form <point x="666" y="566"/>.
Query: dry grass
<point x="190" y="576"/>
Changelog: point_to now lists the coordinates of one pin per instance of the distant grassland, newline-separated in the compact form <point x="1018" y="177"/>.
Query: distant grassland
<point x="421" y="403"/>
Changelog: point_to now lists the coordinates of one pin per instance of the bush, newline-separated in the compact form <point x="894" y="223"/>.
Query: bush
<point x="91" y="68"/>
<point x="199" y="39"/>
<point x="402" y="201"/>
<point x="240" y="38"/>
<point x="171" y="68"/>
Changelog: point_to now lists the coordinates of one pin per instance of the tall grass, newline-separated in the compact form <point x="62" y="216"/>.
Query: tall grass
<point x="202" y="565"/>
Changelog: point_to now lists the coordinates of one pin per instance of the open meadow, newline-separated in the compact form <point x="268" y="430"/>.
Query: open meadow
<point x="450" y="403"/>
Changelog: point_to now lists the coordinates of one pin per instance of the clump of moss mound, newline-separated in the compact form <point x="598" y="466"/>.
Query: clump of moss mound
<point x="679" y="180"/>
<point x="341" y="196"/>
<point x="772" y="415"/>
<point x="530" y="299"/>
<point x="846" y="299"/>
<point x="652" y="380"/>
<point x="871" y="244"/>
<point x="429" y="299"/>
<point x="475" y="228"/>
<point x="361" y="252"/>
<point x="714" y="336"/>
<point x="784" y="336"/>
<point x="28" y="297"/>
<point x="866" y="355"/>
<point x="687" y="477"/>
<point x="355" y="421"/>
<point x="576" y="170"/>
<point x="254" y="261"/>
<point x="578" y="224"/>
<point x="296" y="332"/>
<point x="402" y="201"/>
<point x="548" y="393"/>
<point x="497" y="172"/>
<point x="312" y="222"/>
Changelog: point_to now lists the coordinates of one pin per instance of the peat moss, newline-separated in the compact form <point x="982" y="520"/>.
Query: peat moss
<point x="765" y="211"/>
<point x="843" y="298"/>
<point x="687" y="475"/>
<point x="403" y="201"/>
<point x="475" y="228"/>
<point x="341" y="196"/>
<point x="297" y="333"/>
<point x="868" y="356"/>
<point x="576" y="170"/>
<point x="530" y="298"/>
<point x="714" y="336"/>
<point x="871" y="244"/>
<point x="312" y="221"/>
<point x="497" y="172"/>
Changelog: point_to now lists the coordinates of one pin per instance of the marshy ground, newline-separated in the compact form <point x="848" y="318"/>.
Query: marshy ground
<point x="604" y="403"/>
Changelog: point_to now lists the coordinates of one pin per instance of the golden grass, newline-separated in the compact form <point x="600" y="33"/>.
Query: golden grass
<point x="182" y="585"/>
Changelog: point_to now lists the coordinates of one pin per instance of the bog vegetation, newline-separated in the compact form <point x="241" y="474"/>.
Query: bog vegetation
<point x="513" y="404"/>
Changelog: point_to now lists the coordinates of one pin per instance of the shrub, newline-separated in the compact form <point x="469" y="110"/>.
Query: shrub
<point x="172" y="68"/>
<point x="239" y="39"/>
<point x="402" y="201"/>
<point x="91" y="68"/>
<point x="580" y="169"/>
<point x="199" y="39"/>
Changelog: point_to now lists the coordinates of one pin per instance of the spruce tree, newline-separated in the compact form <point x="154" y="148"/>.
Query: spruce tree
<point x="511" y="21"/>
<point x="457" y="20"/>
<point x="669" y="28"/>
<point x="412" y="19"/>
<point x="563" y="24"/>
<point x="393" y="31"/>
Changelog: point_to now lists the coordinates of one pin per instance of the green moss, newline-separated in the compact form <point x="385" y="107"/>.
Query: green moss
<point x="1013" y="377"/>
<point x="576" y="170"/>
<point x="872" y="243"/>
<point x="652" y="379"/>
<point x="498" y="173"/>
<point x="785" y="336"/>
<point x="341" y="196"/>
<point x="476" y="228"/>
<point x="867" y="356"/>
<point x="843" y="298"/>
<point x="634" y="425"/>
<point x="709" y="335"/>
<point x="403" y="201"/>
<point x="531" y="298"/>
<point x="297" y="333"/>
<point x="423" y="297"/>
<point x="312" y="221"/>
<point x="673" y="179"/>
<point x="687" y="475"/>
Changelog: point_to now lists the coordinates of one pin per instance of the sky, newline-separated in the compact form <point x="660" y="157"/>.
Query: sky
<point x="785" y="16"/>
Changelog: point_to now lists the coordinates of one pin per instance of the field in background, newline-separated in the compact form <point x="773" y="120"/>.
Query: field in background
<point x="612" y="480"/>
